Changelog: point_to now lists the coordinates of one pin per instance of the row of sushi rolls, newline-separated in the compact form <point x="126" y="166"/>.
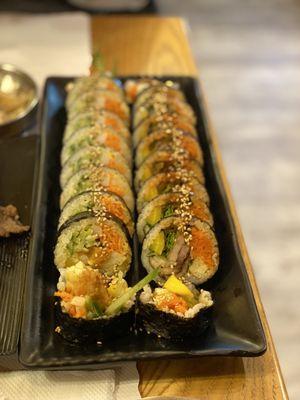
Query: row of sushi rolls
<point x="132" y="150"/>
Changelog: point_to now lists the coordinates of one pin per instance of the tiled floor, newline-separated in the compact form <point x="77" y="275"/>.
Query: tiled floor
<point x="248" y="54"/>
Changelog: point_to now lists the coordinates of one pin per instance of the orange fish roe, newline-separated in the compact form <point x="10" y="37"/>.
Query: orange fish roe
<point x="202" y="246"/>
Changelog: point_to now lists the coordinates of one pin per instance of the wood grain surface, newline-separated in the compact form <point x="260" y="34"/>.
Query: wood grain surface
<point x="150" y="45"/>
<point x="143" y="45"/>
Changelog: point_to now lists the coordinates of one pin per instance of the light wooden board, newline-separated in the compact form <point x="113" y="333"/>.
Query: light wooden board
<point x="143" y="45"/>
<point x="153" y="45"/>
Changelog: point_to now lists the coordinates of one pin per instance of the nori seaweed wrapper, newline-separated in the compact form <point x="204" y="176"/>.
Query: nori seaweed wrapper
<point x="171" y="326"/>
<point x="80" y="330"/>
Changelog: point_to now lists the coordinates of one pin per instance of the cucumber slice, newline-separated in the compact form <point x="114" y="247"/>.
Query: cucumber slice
<point x="118" y="303"/>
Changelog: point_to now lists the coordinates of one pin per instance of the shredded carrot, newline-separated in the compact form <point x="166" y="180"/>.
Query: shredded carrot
<point x="202" y="246"/>
<point x="116" y="165"/>
<point x="113" y="141"/>
<point x="80" y="312"/>
<point x="113" y="122"/>
<point x="133" y="92"/>
<point x="115" y="107"/>
<point x="200" y="210"/>
<point x="63" y="295"/>
<point x="174" y="302"/>
<point x="72" y="311"/>
<point x="189" y="146"/>
<point x="115" y="189"/>
<point x="114" y="207"/>
<point x="113" y="242"/>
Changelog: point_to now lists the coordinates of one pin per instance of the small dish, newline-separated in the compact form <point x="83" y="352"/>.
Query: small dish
<point x="18" y="100"/>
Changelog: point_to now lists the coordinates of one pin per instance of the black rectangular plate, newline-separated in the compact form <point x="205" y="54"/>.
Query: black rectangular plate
<point x="236" y="328"/>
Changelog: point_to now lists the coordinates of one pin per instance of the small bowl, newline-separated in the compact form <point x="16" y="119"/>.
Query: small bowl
<point x="13" y="81"/>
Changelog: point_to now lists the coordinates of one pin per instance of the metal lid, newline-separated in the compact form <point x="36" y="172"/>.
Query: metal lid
<point x="18" y="100"/>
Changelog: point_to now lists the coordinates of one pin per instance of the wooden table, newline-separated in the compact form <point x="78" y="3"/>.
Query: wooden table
<point x="153" y="45"/>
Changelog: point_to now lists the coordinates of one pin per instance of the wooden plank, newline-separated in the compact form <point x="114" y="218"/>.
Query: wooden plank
<point x="162" y="48"/>
<point x="143" y="45"/>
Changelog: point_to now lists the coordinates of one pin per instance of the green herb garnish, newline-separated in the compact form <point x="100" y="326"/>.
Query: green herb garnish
<point x="170" y="238"/>
<point x="168" y="211"/>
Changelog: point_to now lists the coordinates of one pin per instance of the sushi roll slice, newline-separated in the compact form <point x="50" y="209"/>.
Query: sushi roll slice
<point x="91" y="307"/>
<point x="174" y="311"/>
<point x="98" y="242"/>
<point x="183" y="246"/>
<point x="170" y="182"/>
<point x="91" y="118"/>
<point x="158" y="94"/>
<point x="95" y="202"/>
<point x="164" y="161"/>
<point x="88" y="83"/>
<point x="102" y="178"/>
<point x="168" y="140"/>
<point x="92" y="156"/>
<point x="162" y="122"/>
<point x="100" y="100"/>
<point x="134" y="87"/>
<point x="95" y="136"/>
<point x="170" y="204"/>
<point x="155" y="106"/>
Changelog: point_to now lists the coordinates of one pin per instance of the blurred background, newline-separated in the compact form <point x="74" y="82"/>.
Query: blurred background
<point x="248" y="56"/>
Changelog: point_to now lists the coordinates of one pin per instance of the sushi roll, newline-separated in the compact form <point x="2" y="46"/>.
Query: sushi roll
<point x="169" y="140"/>
<point x="100" y="100"/>
<point x="163" y="162"/>
<point x="92" y="307"/>
<point x="158" y="94"/>
<point x="169" y="182"/>
<point x="183" y="246"/>
<point x="82" y="298"/>
<point x="99" y="242"/>
<point x="92" y="156"/>
<point x="94" y="82"/>
<point x="174" y="311"/>
<point x="162" y="122"/>
<point x="154" y="107"/>
<point x="95" y="136"/>
<point x="95" y="202"/>
<point x="91" y="118"/>
<point x="134" y="87"/>
<point x="170" y="204"/>
<point x="98" y="179"/>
